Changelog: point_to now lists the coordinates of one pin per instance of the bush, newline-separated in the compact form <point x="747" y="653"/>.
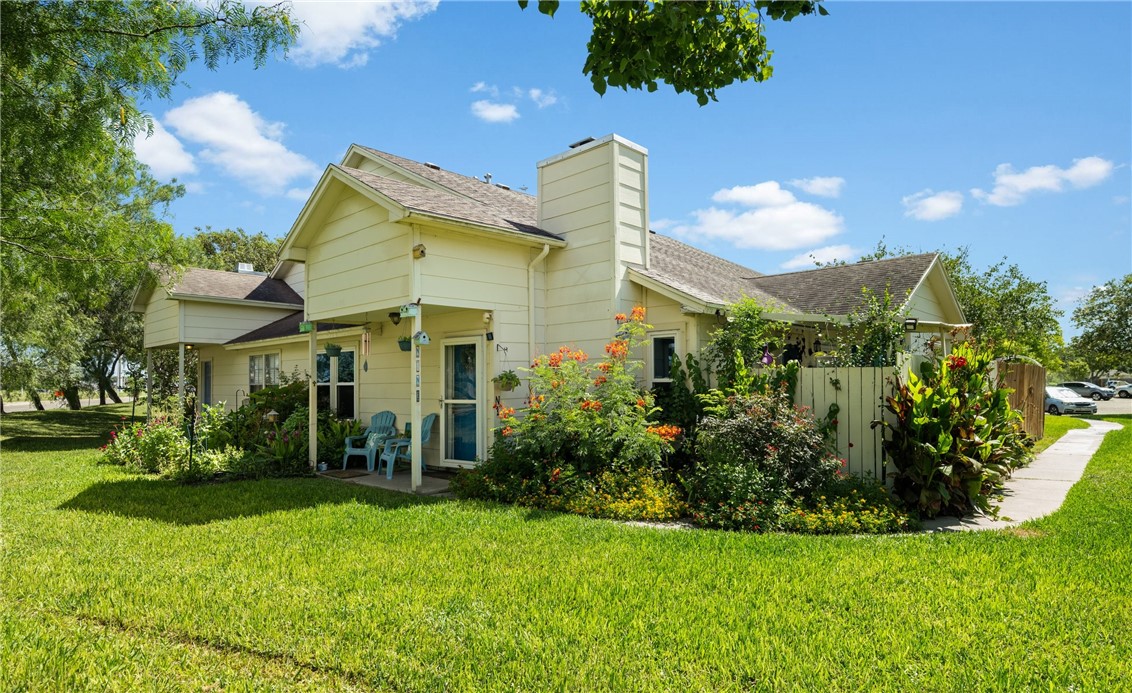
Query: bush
<point x="583" y="420"/>
<point x="757" y="454"/>
<point x="955" y="439"/>
<point x="849" y="505"/>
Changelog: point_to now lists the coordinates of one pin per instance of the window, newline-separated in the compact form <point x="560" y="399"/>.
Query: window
<point x="263" y="371"/>
<point x="662" y="354"/>
<point x="336" y="390"/>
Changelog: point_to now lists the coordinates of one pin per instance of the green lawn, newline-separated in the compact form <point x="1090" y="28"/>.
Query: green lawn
<point x="113" y="581"/>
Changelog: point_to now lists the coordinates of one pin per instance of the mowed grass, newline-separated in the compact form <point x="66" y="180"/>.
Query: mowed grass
<point x="113" y="581"/>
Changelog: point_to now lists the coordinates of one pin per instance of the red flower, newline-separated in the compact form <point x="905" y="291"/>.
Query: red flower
<point x="555" y="474"/>
<point x="620" y="317"/>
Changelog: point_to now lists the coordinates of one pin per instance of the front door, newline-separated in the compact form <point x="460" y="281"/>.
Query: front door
<point x="462" y="376"/>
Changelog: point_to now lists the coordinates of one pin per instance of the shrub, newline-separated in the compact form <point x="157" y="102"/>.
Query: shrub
<point x="757" y="453"/>
<point x="161" y="445"/>
<point x="582" y="420"/>
<point x="955" y="438"/>
<point x="849" y="505"/>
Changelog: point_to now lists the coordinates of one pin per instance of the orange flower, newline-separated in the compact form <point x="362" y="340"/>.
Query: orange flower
<point x="605" y="366"/>
<point x="554" y="383"/>
<point x="638" y="314"/>
<point x="563" y="350"/>
<point x="600" y="380"/>
<point x="555" y="360"/>
<point x="620" y="317"/>
<point x="506" y="412"/>
<point x="508" y="431"/>
<point x="641" y="403"/>
<point x="618" y="348"/>
<point x="666" y="431"/>
<point x="579" y="356"/>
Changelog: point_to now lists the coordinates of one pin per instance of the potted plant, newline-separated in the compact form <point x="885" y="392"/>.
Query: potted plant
<point x="405" y="343"/>
<point x="507" y="380"/>
<point x="333" y="349"/>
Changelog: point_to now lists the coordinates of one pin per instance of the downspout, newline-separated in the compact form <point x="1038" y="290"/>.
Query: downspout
<point x="531" y="300"/>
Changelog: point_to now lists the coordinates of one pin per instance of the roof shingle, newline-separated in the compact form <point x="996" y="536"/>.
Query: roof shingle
<point x="234" y="285"/>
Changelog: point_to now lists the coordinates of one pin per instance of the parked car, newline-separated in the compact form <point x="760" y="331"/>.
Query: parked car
<point x="1062" y="400"/>
<point x="1086" y="389"/>
<point x="1124" y="391"/>
<point x="1115" y="384"/>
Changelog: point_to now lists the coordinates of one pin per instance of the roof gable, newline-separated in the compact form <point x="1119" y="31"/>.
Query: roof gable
<point x="195" y="282"/>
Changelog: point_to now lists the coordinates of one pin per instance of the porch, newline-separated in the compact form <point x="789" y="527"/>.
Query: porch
<point x="432" y="483"/>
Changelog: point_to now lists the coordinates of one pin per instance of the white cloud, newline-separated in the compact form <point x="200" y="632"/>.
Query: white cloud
<point x="824" y="255"/>
<point x="1119" y="199"/>
<point x="777" y="222"/>
<point x="239" y="141"/>
<point x="661" y="224"/>
<point x="768" y="194"/>
<point x="492" y="112"/>
<point x="542" y="98"/>
<point x="163" y="153"/>
<point x="484" y="87"/>
<point x="928" y="205"/>
<point x="1011" y="187"/>
<point x="823" y="186"/>
<point x="344" y="33"/>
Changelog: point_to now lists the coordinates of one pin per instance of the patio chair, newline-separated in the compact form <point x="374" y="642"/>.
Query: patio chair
<point x="381" y="427"/>
<point x="402" y="448"/>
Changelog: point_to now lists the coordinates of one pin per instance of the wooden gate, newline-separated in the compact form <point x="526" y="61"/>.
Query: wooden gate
<point x="1028" y="380"/>
<point x="859" y="394"/>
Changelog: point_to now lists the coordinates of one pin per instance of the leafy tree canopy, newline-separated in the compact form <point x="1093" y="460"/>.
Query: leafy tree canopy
<point x="1105" y="319"/>
<point x="697" y="47"/>
<point x="225" y="249"/>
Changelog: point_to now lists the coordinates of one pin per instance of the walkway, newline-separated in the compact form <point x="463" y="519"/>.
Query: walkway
<point x="431" y="485"/>
<point x="1039" y="489"/>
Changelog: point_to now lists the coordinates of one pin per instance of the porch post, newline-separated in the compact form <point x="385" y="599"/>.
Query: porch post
<point x="416" y="408"/>
<point x="312" y="398"/>
<point x="181" y="374"/>
<point x="148" y="384"/>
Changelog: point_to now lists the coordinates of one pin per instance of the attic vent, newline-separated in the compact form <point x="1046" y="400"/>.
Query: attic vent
<point x="580" y="142"/>
<point x="429" y="164"/>
<point x="245" y="268"/>
<point x="505" y="187"/>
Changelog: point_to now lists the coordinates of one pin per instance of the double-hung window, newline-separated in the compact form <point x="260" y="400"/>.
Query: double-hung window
<point x="263" y="371"/>
<point x="336" y="391"/>
<point x="662" y="353"/>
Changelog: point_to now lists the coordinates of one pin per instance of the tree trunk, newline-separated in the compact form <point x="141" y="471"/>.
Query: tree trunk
<point x="71" y="394"/>
<point x="2" y="405"/>
<point x="38" y="403"/>
<point x="106" y="387"/>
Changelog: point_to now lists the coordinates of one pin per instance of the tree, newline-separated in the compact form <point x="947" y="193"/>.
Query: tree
<point x="697" y="47"/>
<point x="78" y="213"/>
<point x="223" y="250"/>
<point x="1105" y="319"/>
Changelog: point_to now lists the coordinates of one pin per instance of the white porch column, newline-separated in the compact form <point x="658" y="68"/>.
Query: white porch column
<point x="181" y="374"/>
<point x="312" y="398"/>
<point x="417" y="452"/>
<point x="148" y="384"/>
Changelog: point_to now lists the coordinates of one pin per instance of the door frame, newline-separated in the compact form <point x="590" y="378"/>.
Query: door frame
<point x="480" y="401"/>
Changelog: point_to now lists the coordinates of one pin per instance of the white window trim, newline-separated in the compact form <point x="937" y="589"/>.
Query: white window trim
<point x="333" y="382"/>
<point x="650" y="353"/>
<point x="263" y="360"/>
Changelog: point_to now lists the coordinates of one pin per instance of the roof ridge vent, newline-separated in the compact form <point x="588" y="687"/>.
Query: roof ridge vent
<point x="429" y="164"/>
<point x="579" y="143"/>
<point x="500" y="185"/>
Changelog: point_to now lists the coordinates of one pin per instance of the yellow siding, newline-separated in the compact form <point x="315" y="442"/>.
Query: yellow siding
<point x="217" y="323"/>
<point x="357" y="261"/>
<point x="473" y="273"/>
<point x="295" y="276"/>
<point x="162" y="319"/>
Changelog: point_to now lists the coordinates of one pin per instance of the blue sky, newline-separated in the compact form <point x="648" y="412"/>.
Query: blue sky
<point x="1003" y="127"/>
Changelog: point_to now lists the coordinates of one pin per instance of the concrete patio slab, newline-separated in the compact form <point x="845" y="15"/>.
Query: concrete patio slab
<point x="430" y="485"/>
<point x="1039" y="489"/>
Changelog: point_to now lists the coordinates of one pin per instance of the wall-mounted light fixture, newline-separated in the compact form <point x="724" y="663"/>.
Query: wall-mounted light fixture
<point x="910" y="324"/>
<point x="487" y="317"/>
<point x="395" y="317"/>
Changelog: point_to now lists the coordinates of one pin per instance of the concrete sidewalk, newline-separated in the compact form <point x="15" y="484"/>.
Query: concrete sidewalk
<point x="1039" y="489"/>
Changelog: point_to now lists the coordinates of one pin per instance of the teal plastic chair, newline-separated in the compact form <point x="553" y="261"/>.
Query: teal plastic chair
<point x="382" y="426"/>
<point x="402" y="448"/>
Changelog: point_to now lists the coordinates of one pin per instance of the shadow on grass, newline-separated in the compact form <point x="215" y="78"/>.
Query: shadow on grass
<point x="56" y="430"/>
<point x="177" y="504"/>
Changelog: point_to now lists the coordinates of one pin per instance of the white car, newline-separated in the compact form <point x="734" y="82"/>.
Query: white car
<point x="1124" y="390"/>
<point x="1062" y="400"/>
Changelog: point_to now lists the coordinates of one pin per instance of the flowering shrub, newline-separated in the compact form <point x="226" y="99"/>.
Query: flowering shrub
<point x="582" y="420"/>
<point x="849" y="505"/>
<point x="757" y="455"/>
<point x="955" y="438"/>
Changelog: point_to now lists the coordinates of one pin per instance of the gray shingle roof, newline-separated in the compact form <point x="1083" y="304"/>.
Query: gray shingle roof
<point x="837" y="290"/>
<point x="287" y="326"/>
<point x="700" y="274"/>
<point x="509" y="214"/>
<point x="249" y="287"/>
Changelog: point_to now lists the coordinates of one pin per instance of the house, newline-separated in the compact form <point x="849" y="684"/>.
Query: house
<point x="483" y="278"/>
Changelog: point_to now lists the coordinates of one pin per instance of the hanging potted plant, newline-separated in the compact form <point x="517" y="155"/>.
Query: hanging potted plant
<point x="507" y="380"/>
<point x="405" y="343"/>
<point x="333" y="349"/>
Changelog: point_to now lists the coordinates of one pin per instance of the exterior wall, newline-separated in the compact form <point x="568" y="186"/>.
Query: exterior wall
<point x="595" y="197"/>
<point x="217" y="323"/>
<point x="295" y="276"/>
<point x="358" y="261"/>
<point x="162" y="319"/>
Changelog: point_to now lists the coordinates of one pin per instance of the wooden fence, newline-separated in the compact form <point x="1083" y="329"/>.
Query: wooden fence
<point x="1028" y="380"/>
<point x="859" y="394"/>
